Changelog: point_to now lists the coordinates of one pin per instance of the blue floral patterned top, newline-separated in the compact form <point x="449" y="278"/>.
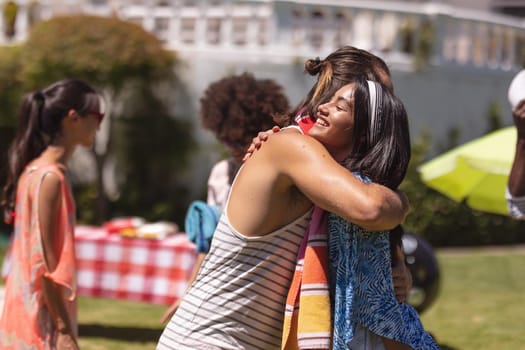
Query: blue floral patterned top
<point x="362" y="288"/>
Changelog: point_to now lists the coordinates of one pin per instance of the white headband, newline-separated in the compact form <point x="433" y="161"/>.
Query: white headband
<point x="375" y="92"/>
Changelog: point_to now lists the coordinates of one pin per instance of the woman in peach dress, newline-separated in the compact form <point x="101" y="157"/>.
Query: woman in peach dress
<point x="40" y="301"/>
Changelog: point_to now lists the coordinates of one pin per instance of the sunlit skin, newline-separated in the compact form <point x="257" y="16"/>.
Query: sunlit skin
<point x="290" y="161"/>
<point x="341" y="103"/>
<point x="335" y="122"/>
<point x="292" y="172"/>
<point x="330" y="128"/>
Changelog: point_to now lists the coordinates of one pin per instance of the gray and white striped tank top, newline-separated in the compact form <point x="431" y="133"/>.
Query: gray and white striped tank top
<point x="238" y="298"/>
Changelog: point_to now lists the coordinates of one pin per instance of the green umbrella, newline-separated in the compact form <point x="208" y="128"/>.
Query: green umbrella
<point x="476" y="171"/>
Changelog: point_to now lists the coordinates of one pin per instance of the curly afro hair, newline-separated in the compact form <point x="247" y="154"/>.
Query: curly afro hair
<point x="236" y="108"/>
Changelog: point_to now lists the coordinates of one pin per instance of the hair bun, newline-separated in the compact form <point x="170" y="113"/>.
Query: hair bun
<point x="313" y="67"/>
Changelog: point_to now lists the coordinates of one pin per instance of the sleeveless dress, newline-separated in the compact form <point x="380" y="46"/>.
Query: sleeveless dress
<point x="362" y="293"/>
<point x="26" y="322"/>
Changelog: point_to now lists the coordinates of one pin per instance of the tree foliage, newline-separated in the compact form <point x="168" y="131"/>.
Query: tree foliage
<point x="148" y="188"/>
<point x="10" y="84"/>
<point x="107" y="52"/>
<point x="127" y="64"/>
<point x="10" y="94"/>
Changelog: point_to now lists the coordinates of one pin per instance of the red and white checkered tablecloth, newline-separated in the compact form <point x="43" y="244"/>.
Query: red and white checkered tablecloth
<point x="136" y="269"/>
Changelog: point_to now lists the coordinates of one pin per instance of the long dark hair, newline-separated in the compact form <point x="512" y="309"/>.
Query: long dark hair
<point x="381" y="153"/>
<point x="39" y="123"/>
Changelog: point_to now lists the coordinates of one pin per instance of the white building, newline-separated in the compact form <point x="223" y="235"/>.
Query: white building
<point x="450" y="60"/>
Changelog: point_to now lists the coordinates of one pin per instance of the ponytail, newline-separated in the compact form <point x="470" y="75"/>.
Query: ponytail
<point x="39" y="123"/>
<point x="27" y="145"/>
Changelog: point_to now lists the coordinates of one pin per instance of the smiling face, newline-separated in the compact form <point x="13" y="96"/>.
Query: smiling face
<point x="335" y="123"/>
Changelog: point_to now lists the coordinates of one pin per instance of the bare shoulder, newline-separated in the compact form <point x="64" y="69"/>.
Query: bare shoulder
<point x="290" y="153"/>
<point x="292" y="140"/>
<point x="50" y="187"/>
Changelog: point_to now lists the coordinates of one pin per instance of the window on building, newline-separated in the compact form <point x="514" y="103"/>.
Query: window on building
<point x="388" y="26"/>
<point x="297" y="28"/>
<point x="494" y="45"/>
<point x="407" y="35"/>
<point x="343" y="29"/>
<point x="463" y="45"/>
<point x="161" y="28"/>
<point x="317" y="28"/>
<point x="263" y="32"/>
<point x="363" y="30"/>
<point x="187" y="30"/>
<point x="507" y="48"/>
<point x="519" y="51"/>
<point x="213" y="31"/>
<point x="479" y="47"/>
<point x="239" y="30"/>
<point x="449" y="41"/>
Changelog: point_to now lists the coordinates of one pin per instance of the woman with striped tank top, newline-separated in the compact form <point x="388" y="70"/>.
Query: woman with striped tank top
<point x="238" y="297"/>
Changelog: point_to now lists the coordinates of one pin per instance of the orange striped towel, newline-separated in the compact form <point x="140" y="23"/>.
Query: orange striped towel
<point x="307" y="319"/>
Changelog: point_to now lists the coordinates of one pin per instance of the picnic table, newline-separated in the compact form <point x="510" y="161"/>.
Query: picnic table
<point x="135" y="269"/>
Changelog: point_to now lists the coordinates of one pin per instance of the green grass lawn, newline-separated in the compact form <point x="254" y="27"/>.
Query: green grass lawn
<point x="109" y="324"/>
<point x="482" y="300"/>
<point x="481" y="306"/>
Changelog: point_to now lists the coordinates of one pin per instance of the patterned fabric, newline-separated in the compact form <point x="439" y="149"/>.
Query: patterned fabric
<point x="26" y="322"/>
<point x="361" y="283"/>
<point x="516" y="205"/>
<point x="238" y="297"/>
<point x="135" y="269"/>
<point x="365" y="340"/>
<point x="307" y="321"/>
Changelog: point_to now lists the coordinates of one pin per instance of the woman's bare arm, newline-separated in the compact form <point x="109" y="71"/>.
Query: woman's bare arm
<point x="49" y="202"/>
<point x="332" y="187"/>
